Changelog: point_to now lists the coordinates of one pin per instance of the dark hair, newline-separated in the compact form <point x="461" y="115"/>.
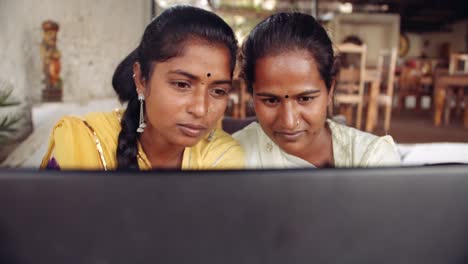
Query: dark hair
<point x="285" y="32"/>
<point x="164" y="38"/>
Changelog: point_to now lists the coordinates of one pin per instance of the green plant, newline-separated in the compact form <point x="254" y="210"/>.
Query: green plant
<point x="7" y="123"/>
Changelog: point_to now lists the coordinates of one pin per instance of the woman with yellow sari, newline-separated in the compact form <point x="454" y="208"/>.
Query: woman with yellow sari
<point x="176" y="85"/>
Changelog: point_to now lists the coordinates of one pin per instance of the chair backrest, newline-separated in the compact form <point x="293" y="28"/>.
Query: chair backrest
<point x="351" y="76"/>
<point x="410" y="78"/>
<point x="239" y="98"/>
<point x="457" y="60"/>
<point x="386" y="66"/>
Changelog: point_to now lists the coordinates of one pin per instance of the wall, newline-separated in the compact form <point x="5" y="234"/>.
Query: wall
<point x="456" y="37"/>
<point x="415" y="45"/>
<point x="378" y="31"/>
<point x="94" y="36"/>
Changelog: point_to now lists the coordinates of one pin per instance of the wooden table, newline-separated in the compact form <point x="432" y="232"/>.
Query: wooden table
<point x="442" y="84"/>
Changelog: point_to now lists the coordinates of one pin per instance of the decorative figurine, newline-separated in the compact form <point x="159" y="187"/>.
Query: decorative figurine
<point x="51" y="62"/>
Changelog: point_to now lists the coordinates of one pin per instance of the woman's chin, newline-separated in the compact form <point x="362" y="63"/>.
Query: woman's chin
<point x="292" y="148"/>
<point x="189" y="141"/>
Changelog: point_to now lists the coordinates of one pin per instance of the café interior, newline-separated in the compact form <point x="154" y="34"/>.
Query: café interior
<point x="404" y="72"/>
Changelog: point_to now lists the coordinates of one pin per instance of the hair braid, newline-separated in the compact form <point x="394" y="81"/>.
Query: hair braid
<point x="127" y="148"/>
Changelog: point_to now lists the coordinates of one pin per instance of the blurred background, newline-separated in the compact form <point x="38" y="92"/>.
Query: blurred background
<point x="57" y="58"/>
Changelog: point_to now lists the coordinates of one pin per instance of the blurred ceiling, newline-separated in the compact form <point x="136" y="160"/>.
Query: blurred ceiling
<point x="417" y="15"/>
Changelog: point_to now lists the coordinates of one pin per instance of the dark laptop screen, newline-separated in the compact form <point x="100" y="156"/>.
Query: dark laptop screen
<point x="394" y="215"/>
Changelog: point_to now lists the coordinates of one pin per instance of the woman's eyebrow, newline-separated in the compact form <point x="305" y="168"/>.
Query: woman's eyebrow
<point x="220" y="82"/>
<point x="266" y="95"/>
<point x="184" y="73"/>
<point x="308" y="92"/>
<point x="196" y="78"/>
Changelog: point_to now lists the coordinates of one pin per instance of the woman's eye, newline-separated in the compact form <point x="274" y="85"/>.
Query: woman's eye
<point x="305" y="99"/>
<point x="218" y="92"/>
<point x="181" y="85"/>
<point x="270" y="101"/>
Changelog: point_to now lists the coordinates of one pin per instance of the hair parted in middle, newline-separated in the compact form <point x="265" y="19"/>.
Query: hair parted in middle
<point x="284" y="32"/>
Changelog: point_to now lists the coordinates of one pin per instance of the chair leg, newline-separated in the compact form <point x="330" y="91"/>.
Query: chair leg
<point x="439" y="105"/>
<point x="347" y="111"/>
<point x="401" y="102"/>
<point x="448" y="106"/>
<point x="418" y="102"/>
<point x="359" y="115"/>
<point x="465" y="118"/>
<point x="457" y="102"/>
<point x="388" y="116"/>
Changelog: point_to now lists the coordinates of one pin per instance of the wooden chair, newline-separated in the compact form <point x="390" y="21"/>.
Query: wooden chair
<point x="457" y="60"/>
<point x="239" y="100"/>
<point x="349" y="89"/>
<point x="458" y="65"/>
<point x="411" y="82"/>
<point x="386" y="65"/>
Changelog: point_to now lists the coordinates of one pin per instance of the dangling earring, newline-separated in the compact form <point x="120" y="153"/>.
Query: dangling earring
<point x="142" y="125"/>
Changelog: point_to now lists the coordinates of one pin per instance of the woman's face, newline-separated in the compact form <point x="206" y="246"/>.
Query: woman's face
<point x="291" y="100"/>
<point x="186" y="95"/>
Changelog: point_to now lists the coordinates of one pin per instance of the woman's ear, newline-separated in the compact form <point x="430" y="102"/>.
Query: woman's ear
<point x="140" y="82"/>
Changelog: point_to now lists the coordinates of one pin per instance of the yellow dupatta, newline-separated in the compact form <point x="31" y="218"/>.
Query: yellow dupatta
<point x="90" y="143"/>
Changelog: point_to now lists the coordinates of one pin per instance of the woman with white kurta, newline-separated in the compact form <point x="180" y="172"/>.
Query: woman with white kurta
<point x="289" y="66"/>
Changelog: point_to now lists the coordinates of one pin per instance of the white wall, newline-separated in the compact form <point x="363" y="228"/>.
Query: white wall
<point x="94" y="36"/>
<point x="415" y="45"/>
<point x="456" y="37"/>
<point x="377" y="31"/>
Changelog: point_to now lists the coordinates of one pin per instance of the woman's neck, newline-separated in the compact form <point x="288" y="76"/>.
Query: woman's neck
<point x="320" y="151"/>
<point x="159" y="152"/>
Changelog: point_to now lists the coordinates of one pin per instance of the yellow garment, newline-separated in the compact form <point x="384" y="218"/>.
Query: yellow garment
<point x="90" y="143"/>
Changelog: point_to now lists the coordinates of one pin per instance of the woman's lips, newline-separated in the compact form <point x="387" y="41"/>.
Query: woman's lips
<point x="289" y="135"/>
<point x="192" y="130"/>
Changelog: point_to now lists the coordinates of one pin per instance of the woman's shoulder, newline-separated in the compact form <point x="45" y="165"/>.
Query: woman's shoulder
<point x="218" y="150"/>
<point x="248" y="136"/>
<point x="220" y="137"/>
<point x="361" y="148"/>
<point x="91" y="123"/>
<point x="250" y="128"/>
<point x="100" y="119"/>
<point x="75" y="140"/>
<point x="346" y="135"/>
<point x="69" y="124"/>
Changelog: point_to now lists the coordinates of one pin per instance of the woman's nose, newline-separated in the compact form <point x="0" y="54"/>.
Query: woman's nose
<point x="288" y="116"/>
<point x="198" y="105"/>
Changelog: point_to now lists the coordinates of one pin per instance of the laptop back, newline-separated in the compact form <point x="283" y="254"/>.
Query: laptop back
<point x="405" y="215"/>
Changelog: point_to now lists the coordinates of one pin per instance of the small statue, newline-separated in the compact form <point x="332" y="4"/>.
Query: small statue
<point x="50" y="55"/>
